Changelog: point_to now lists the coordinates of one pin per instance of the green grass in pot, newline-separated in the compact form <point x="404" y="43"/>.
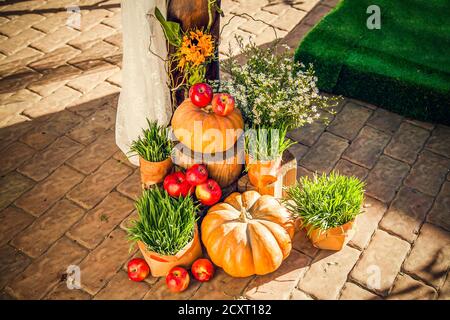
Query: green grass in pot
<point x="165" y="224"/>
<point x="325" y="202"/>
<point x="154" y="144"/>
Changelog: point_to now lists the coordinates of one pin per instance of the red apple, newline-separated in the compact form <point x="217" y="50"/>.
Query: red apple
<point x="138" y="269"/>
<point x="176" y="185"/>
<point x="177" y="280"/>
<point x="208" y="193"/>
<point x="202" y="270"/>
<point x="223" y="104"/>
<point x="201" y="94"/>
<point x="197" y="174"/>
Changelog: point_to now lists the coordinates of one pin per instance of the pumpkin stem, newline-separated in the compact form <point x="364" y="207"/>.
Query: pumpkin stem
<point x="244" y="217"/>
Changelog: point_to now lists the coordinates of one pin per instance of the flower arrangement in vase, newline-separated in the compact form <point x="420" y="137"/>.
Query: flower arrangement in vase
<point x="275" y="95"/>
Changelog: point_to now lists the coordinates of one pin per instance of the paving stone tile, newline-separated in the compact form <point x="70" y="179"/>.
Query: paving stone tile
<point x="348" y="168"/>
<point x="122" y="288"/>
<point x="299" y="295"/>
<point x="385" y="121"/>
<point x="49" y="191"/>
<point x="55" y="58"/>
<point x="279" y="284"/>
<point x="53" y="21"/>
<point x="48" y="228"/>
<point x="298" y="150"/>
<point x="92" y="57"/>
<point x="425" y="125"/>
<point x="54" y="79"/>
<point x="290" y="19"/>
<point x="12" y="221"/>
<point x="16" y="25"/>
<point x="438" y="141"/>
<point x="11" y="133"/>
<point x="96" y="186"/>
<point x="56" y="39"/>
<point x="91" y="78"/>
<point x="131" y="186"/>
<point x="14" y="156"/>
<point x="305" y="5"/>
<point x="160" y="292"/>
<point x="385" y="178"/>
<point x="20" y="79"/>
<point x="12" y="263"/>
<point x="87" y="131"/>
<point x="367" y="147"/>
<point x="302" y="243"/>
<point x="100" y="221"/>
<point x="111" y="253"/>
<point x="428" y="173"/>
<point x="349" y="121"/>
<point x="328" y="273"/>
<point x="444" y="292"/>
<point x="223" y="287"/>
<point x="20" y="41"/>
<point x="104" y="96"/>
<point x="407" y="213"/>
<point x="257" y="27"/>
<point x="367" y="222"/>
<point x="55" y="102"/>
<point x="380" y="262"/>
<point x="430" y="256"/>
<point x="61" y="292"/>
<point x="86" y="39"/>
<point x="323" y="156"/>
<point x="352" y="291"/>
<point x="116" y="39"/>
<point x="60" y="122"/>
<point x="38" y="139"/>
<point x="440" y="213"/>
<point x="91" y="157"/>
<point x="12" y="186"/>
<point x="122" y="158"/>
<point x="91" y="18"/>
<point x="303" y="172"/>
<point x="308" y="134"/>
<point x="406" y="288"/>
<point x="46" y="271"/>
<point x="407" y="143"/>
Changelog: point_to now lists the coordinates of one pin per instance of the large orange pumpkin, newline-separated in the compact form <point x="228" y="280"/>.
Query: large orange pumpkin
<point x="248" y="234"/>
<point x="201" y="130"/>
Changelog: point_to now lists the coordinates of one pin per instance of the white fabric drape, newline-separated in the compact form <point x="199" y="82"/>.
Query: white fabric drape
<point x="144" y="80"/>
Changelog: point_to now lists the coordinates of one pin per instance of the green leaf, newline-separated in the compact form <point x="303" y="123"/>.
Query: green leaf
<point x="172" y="30"/>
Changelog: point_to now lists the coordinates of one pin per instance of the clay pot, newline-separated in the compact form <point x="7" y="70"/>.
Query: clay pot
<point x="262" y="173"/>
<point x="160" y="265"/>
<point x="332" y="239"/>
<point x="154" y="172"/>
<point x="224" y="167"/>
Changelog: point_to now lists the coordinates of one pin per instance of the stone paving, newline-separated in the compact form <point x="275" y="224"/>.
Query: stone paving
<point x="66" y="191"/>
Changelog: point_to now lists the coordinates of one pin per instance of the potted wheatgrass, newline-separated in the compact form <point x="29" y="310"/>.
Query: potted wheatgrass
<point x="154" y="148"/>
<point x="327" y="207"/>
<point x="166" y="231"/>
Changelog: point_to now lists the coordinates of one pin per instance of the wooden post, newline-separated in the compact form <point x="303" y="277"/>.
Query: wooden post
<point x="192" y="14"/>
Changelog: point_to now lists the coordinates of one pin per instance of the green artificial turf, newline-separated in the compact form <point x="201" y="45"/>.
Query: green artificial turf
<point x="404" y="66"/>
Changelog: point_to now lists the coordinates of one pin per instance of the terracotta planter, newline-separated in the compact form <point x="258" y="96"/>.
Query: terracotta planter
<point x="262" y="173"/>
<point x="154" y="172"/>
<point x="160" y="265"/>
<point x="334" y="238"/>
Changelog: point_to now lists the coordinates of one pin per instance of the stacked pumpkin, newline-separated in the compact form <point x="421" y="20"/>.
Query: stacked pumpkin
<point x="208" y="127"/>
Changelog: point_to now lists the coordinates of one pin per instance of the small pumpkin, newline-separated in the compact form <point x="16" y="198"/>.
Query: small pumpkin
<point x="248" y="234"/>
<point x="201" y="130"/>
